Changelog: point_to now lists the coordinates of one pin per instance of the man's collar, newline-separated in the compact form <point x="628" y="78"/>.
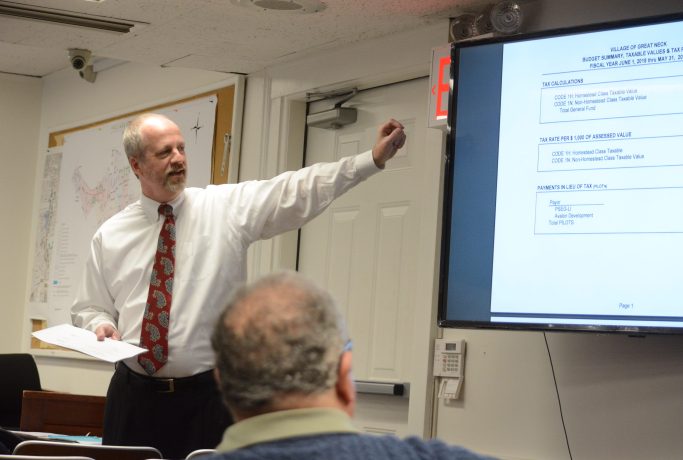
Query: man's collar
<point x="151" y="207"/>
<point x="285" y="424"/>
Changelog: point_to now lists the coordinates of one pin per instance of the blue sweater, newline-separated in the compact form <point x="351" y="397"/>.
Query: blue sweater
<point x="349" y="446"/>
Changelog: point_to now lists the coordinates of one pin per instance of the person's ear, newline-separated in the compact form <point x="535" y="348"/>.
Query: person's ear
<point x="135" y="166"/>
<point x="346" y="388"/>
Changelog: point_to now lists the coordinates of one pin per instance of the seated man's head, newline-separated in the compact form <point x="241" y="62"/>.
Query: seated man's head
<point x="281" y="344"/>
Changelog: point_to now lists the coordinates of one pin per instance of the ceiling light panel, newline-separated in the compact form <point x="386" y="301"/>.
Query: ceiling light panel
<point x="63" y="17"/>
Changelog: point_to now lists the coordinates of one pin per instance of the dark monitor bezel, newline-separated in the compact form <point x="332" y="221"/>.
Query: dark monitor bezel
<point x="447" y="201"/>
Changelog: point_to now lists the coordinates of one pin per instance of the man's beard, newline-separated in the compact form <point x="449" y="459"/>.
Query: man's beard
<point x="175" y="183"/>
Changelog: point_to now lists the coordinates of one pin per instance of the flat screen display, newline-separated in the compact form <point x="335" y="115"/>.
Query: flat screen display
<point x="563" y="198"/>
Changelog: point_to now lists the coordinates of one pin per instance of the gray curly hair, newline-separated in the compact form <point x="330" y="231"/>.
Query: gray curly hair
<point x="281" y="335"/>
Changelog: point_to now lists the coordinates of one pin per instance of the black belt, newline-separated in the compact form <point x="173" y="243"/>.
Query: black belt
<point x="167" y="385"/>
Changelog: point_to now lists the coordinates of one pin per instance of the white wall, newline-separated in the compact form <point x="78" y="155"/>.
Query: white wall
<point x="20" y="99"/>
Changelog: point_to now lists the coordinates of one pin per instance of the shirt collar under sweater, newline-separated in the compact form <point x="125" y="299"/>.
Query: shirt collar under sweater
<point x="285" y="424"/>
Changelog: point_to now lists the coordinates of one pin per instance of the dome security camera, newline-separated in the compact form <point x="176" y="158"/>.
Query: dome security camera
<point x="79" y="58"/>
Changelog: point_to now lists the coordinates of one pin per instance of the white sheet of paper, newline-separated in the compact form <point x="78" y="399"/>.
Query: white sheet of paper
<point x="76" y="338"/>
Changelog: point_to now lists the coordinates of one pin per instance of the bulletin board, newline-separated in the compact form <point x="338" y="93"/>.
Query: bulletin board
<point x="86" y="179"/>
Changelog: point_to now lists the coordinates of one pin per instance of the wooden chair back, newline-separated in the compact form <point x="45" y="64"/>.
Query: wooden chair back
<point x="62" y="413"/>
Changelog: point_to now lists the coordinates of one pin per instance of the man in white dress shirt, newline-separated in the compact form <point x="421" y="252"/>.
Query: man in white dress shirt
<point x="178" y="408"/>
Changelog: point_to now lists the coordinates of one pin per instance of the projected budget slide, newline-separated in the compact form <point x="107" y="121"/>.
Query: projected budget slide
<point x="589" y="205"/>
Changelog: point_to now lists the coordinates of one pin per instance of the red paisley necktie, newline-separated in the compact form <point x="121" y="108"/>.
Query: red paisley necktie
<point x="154" y="335"/>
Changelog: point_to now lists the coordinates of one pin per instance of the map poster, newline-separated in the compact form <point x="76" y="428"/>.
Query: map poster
<point x="89" y="180"/>
<point x="47" y="205"/>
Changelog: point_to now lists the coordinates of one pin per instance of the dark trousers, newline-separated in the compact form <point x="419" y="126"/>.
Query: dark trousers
<point x="176" y="416"/>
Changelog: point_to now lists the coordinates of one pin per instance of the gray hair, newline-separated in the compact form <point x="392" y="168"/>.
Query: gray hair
<point x="133" y="143"/>
<point x="281" y="335"/>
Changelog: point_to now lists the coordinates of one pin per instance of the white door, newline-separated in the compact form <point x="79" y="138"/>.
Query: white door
<point x="364" y="247"/>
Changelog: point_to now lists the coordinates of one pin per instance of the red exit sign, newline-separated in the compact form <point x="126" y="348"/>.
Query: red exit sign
<point x="439" y="86"/>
